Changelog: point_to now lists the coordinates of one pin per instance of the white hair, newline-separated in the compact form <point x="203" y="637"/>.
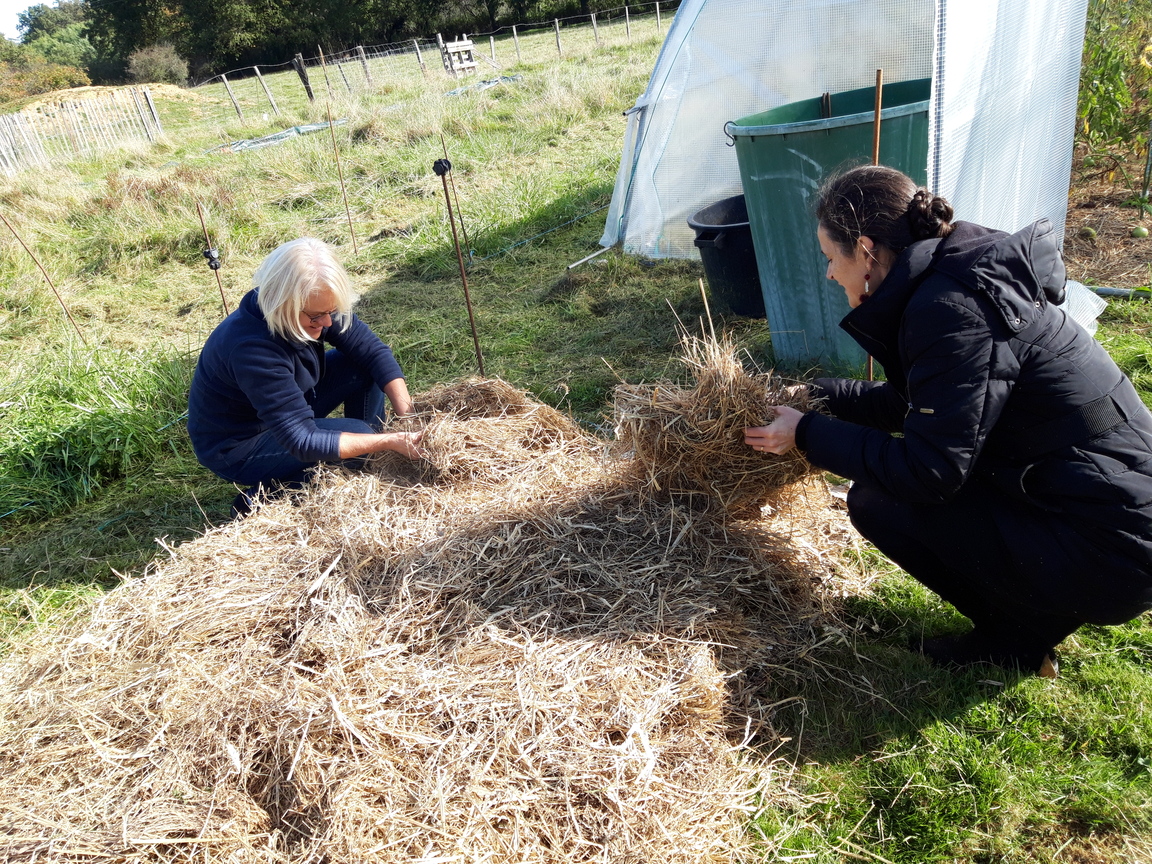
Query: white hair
<point x="292" y="273"/>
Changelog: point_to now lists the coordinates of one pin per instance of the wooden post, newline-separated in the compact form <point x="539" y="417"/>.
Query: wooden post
<point x="516" y="39"/>
<point x="152" y="108"/>
<point x="492" y="47"/>
<point x="659" y="25"/>
<point x="302" y="71"/>
<point x="595" y="30"/>
<point x="419" y="57"/>
<point x="556" y="23"/>
<point x="140" y="113"/>
<point x="324" y="69"/>
<point x="232" y="96"/>
<point x="627" y="24"/>
<point x="445" y="57"/>
<point x="267" y="92"/>
<point x="364" y="63"/>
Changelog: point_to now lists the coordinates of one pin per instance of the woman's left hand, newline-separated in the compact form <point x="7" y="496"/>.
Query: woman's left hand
<point x="777" y="437"/>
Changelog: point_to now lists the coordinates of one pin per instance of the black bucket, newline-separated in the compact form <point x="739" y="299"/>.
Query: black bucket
<point x="725" y="243"/>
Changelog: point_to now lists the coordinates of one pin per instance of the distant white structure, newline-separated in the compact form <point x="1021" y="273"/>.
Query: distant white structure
<point x="1004" y="75"/>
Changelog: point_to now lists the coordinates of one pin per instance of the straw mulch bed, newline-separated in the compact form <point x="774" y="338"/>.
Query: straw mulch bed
<point x="465" y="662"/>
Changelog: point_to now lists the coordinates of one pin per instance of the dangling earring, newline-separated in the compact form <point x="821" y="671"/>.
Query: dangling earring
<point x="867" y="276"/>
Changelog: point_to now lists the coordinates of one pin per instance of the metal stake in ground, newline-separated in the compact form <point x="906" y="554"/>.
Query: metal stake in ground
<point x="340" y="172"/>
<point x="47" y="278"/>
<point x="213" y="257"/>
<point x="876" y="161"/>
<point x="456" y="198"/>
<point x="442" y="167"/>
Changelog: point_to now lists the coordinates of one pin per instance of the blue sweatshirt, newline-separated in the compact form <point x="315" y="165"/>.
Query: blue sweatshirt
<point x="249" y="381"/>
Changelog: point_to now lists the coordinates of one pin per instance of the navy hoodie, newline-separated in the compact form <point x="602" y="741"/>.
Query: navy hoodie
<point x="249" y="381"/>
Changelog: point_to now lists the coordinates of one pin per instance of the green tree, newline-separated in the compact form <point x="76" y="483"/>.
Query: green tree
<point x="42" y="20"/>
<point x="67" y="47"/>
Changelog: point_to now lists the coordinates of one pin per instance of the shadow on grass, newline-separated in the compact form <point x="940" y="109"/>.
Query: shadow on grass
<point x="867" y="687"/>
<point x="118" y="532"/>
<point x="578" y="207"/>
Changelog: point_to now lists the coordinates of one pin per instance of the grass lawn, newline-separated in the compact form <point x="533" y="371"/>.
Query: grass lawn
<point x="895" y="760"/>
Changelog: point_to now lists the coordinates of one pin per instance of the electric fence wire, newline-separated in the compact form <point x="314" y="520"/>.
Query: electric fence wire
<point x="472" y="252"/>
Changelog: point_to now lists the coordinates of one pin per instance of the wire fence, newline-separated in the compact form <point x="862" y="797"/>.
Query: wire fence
<point x="259" y="93"/>
<point x="61" y="130"/>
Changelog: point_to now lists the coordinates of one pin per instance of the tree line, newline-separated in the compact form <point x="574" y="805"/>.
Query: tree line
<point x="76" y="42"/>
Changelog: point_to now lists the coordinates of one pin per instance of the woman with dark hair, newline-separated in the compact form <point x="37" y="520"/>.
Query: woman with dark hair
<point x="265" y="385"/>
<point x="1006" y="462"/>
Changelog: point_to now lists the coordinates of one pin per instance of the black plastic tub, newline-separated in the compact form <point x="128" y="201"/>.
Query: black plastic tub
<point x="724" y="239"/>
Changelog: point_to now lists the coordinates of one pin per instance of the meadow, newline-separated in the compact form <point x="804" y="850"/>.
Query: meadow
<point x="894" y="760"/>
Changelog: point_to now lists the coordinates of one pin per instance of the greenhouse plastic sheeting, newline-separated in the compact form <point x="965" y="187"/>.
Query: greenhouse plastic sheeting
<point x="1004" y="115"/>
<point x="1001" y="118"/>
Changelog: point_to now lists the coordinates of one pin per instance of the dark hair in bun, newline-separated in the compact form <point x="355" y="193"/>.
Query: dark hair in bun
<point x="881" y="203"/>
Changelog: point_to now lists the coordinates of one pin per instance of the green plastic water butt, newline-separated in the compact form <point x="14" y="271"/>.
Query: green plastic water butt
<point x="784" y="155"/>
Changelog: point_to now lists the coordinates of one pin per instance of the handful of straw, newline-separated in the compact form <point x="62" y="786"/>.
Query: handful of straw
<point x="689" y="440"/>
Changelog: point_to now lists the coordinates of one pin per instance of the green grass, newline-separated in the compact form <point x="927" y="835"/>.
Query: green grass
<point x="895" y="760"/>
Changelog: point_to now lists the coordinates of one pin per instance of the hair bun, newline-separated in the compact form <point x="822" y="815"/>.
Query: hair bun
<point x="928" y="215"/>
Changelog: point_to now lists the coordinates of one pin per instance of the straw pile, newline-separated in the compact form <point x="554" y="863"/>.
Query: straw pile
<point x="689" y="440"/>
<point x="534" y="665"/>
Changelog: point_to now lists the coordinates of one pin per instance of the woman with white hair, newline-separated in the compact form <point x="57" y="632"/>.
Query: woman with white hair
<point x="264" y="386"/>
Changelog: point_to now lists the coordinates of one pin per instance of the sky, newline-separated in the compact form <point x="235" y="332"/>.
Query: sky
<point x="9" y="9"/>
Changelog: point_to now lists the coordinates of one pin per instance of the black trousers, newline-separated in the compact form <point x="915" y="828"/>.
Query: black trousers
<point x="1021" y="574"/>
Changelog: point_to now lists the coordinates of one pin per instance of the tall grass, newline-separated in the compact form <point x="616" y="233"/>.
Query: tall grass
<point x="75" y="419"/>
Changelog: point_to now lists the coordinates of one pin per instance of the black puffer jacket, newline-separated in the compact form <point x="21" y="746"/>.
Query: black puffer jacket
<point x="987" y="381"/>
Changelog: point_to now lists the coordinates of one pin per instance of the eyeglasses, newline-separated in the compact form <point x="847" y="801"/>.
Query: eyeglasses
<point x="314" y="318"/>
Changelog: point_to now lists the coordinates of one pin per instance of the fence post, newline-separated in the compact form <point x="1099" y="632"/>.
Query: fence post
<point x="627" y="24"/>
<point x="364" y="63"/>
<point x="444" y="57"/>
<point x="595" y="30"/>
<point x="419" y="57"/>
<point x="140" y="113"/>
<point x="516" y="39"/>
<point x="492" y="47"/>
<point x="152" y="108"/>
<point x="302" y="71"/>
<point x="232" y="96"/>
<point x="556" y="22"/>
<point x="659" y="26"/>
<point x="267" y="92"/>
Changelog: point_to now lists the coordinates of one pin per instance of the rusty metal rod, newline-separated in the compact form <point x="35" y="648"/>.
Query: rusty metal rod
<point x="208" y="242"/>
<point x="442" y="167"/>
<point x="47" y="279"/>
<point x="871" y="369"/>
<point x="340" y="173"/>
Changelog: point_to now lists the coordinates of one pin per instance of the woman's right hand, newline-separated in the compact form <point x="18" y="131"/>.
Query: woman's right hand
<point x="405" y="443"/>
<point x="777" y="437"/>
<point x="353" y="444"/>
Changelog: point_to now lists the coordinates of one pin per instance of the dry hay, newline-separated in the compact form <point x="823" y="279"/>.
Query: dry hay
<point x="689" y="440"/>
<point x="436" y="671"/>
<point x="488" y="431"/>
